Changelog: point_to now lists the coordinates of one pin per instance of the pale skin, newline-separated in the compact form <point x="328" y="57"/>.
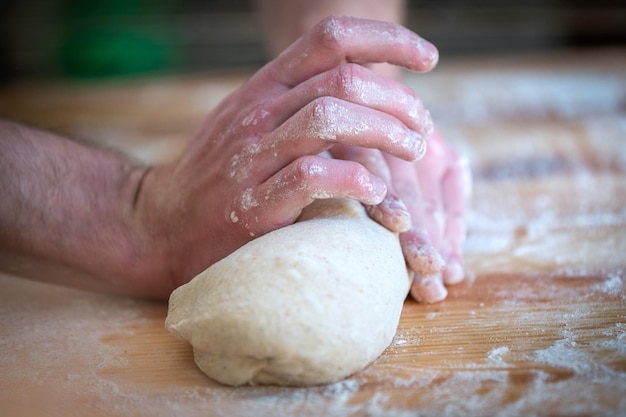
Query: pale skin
<point x="434" y="191"/>
<point x="251" y="167"/>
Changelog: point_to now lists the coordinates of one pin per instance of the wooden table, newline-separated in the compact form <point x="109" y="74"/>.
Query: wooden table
<point x="538" y="327"/>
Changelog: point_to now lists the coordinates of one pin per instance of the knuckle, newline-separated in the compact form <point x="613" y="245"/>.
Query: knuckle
<point x="355" y="173"/>
<point x="330" y="33"/>
<point x="257" y="116"/>
<point x="322" y="117"/>
<point x="307" y="169"/>
<point x="348" y="79"/>
<point x="358" y="177"/>
<point x="240" y="163"/>
<point x="323" y="105"/>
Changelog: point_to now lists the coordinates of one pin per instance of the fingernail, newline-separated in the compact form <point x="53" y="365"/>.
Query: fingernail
<point x="395" y="203"/>
<point x="428" y="53"/>
<point x="398" y="213"/>
<point x="423" y="120"/>
<point x="418" y="145"/>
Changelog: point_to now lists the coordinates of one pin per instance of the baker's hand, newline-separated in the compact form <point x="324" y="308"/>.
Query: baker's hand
<point x="426" y="205"/>
<point x="436" y="190"/>
<point x="254" y="163"/>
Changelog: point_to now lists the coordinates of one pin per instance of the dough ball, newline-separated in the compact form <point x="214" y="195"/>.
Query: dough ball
<point x="310" y="303"/>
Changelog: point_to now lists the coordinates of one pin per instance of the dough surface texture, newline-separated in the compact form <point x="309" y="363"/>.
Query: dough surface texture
<point x="310" y="303"/>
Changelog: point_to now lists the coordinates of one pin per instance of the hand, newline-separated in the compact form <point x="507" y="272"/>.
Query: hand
<point x="426" y="203"/>
<point x="254" y="163"/>
<point x="436" y="190"/>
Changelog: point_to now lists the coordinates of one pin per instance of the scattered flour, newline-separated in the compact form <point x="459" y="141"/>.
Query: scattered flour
<point x="582" y="362"/>
<point x="486" y="95"/>
<point x="495" y="356"/>
<point x="613" y="285"/>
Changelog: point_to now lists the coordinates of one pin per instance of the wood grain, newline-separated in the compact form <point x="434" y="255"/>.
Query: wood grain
<point x="538" y="327"/>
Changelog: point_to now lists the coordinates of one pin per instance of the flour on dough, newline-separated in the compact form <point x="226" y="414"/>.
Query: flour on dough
<point x="310" y="303"/>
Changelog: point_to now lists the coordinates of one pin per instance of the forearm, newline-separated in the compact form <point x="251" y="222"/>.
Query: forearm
<point x="283" y="21"/>
<point x="67" y="203"/>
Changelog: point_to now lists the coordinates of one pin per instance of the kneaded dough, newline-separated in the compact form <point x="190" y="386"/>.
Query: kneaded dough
<point x="310" y="303"/>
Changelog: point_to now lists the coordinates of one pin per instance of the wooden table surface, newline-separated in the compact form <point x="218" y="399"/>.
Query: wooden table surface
<point x="538" y="327"/>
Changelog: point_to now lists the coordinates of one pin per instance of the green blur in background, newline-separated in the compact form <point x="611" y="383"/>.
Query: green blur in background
<point x="73" y="39"/>
<point x="116" y="38"/>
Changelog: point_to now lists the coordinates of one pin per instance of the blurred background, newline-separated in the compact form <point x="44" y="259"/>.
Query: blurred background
<point x="121" y="38"/>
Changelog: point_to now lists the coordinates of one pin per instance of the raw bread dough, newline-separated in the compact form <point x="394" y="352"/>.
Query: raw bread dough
<point x="310" y="303"/>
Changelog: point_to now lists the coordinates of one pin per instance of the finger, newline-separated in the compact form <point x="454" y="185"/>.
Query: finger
<point x="428" y="290"/>
<point x="391" y="212"/>
<point x="420" y="255"/>
<point x="406" y="187"/>
<point x="327" y="121"/>
<point x="372" y="159"/>
<point x="456" y="187"/>
<point x="280" y="200"/>
<point x="430" y="208"/>
<point x="358" y="85"/>
<point x="345" y="39"/>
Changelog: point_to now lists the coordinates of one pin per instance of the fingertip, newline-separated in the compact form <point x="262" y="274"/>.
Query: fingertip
<point x="428" y="55"/>
<point x="423" y="258"/>
<point x="376" y="188"/>
<point x="419" y="146"/>
<point x="429" y="125"/>
<point x="429" y="289"/>
<point x="453" y="272"/>
<point x="391" y="213"/>
<point x="399" y="213"/>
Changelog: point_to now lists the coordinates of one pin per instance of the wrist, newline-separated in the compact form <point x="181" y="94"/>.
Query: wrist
<point x="145" y="265"/>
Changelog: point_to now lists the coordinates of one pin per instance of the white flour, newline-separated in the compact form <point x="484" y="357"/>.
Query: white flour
<point x="550" y="339"/>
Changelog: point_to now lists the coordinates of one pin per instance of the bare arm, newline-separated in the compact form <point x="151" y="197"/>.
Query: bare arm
<point x="283" y="21"/>
<point x="251" y="167"/>
<point x="67" y="203"/>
